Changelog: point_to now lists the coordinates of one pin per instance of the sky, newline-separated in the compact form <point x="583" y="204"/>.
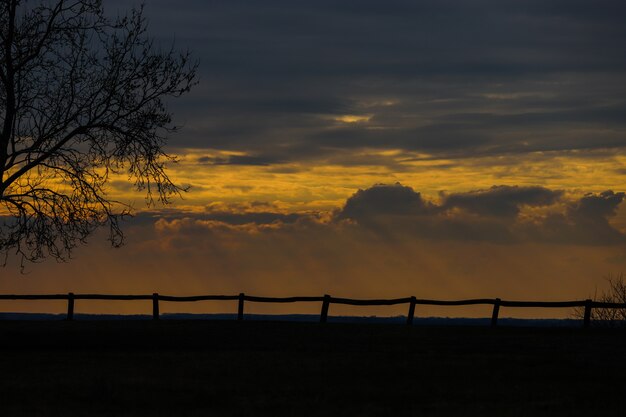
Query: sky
<point x="443" y="149"/>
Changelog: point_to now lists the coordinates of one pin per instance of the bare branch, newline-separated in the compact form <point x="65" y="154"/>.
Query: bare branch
<point x="615" y="293"/>
<point x="81" y="96"/>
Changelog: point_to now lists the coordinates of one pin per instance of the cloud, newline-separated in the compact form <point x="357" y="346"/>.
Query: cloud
<point x="239" y="160"/>
<point x="596" y="208"/>
<point x="384" y="200"/>
<point x="501" y="201"/>
<point x="395" y="212"/>
<point x="447" y="78"/>
<point x="487" y="215"/>
<point x="584" y="221"/>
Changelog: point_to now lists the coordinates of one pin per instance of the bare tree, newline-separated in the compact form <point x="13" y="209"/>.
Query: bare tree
<point x="81" y="99"/>
<point x="615" y="293"/>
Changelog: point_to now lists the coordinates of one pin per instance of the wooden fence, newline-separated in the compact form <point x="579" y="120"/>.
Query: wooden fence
<point x="326" y="301"/>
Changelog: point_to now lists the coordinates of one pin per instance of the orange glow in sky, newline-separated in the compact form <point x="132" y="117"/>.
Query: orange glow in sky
<point x="372" y="150"/>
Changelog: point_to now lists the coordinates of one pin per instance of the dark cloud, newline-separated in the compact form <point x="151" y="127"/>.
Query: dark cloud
<point x="501" y="201"/>
<point x="596" y="207"/>
<point x="396" y="200"/>
<point x="239" y="160"/>
<point x="443" y="77"/>
<point x="486" y="215"/>
<point x="500" y="214"/>
<point x="585" y="221"/>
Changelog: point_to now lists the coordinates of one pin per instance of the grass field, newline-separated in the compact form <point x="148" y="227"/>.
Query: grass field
<point x="229" y="368"/>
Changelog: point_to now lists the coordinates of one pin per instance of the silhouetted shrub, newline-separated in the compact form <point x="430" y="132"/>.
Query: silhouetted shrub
<point x="615" y="293"/>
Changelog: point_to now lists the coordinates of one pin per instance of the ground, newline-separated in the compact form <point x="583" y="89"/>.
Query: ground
<point x="230" y="368"/>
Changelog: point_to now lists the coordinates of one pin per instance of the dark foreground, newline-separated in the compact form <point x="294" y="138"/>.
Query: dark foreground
<point x="200" y="368"/>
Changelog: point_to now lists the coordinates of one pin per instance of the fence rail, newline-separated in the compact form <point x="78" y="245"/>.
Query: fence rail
<point x="326" y="301"/>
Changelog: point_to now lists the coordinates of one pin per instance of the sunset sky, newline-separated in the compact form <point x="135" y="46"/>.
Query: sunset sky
<point x="444" y="149"/>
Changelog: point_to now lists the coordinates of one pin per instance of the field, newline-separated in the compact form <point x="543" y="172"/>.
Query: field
<point x="230" y="368"/>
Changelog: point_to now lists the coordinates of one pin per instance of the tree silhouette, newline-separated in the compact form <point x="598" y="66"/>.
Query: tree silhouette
<point x="615" y="293"/>
<point x="81" y="99"/>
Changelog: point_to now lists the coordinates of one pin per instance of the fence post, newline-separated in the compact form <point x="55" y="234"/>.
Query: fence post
<point x="240" y="308"/>
<point x="587" y="318"/>
<point x="70" y="306"/>
<point x="496" y="311"/>
<point x="409" y="317"/>
<point x="155" y="306"/>
<point x="325" y="304"/>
